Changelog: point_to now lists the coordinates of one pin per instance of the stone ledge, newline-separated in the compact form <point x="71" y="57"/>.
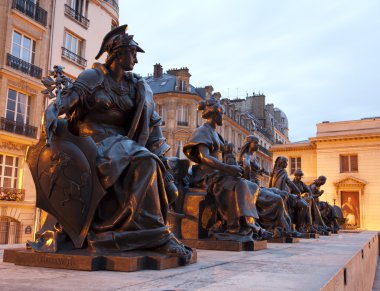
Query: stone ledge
<point x="311" y="264"/>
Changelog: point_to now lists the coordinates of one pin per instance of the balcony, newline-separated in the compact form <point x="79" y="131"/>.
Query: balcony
<point x="18" y="128"/>
<point x="182" y="123"/>
<point x="23" y="66"/>
<point x="31" y="10"/>
<point x="74" y="57"/>
<point x="72" y="13"/>
<point x="113" y="3"/>
<point x="12" y="194"/>
<point x="265" y="151"/>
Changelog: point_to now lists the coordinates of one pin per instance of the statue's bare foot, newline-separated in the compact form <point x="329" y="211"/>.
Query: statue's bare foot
<point x="175" y="247"/>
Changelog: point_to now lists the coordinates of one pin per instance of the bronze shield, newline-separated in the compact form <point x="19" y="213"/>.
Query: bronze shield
<point x="66" y="180"/>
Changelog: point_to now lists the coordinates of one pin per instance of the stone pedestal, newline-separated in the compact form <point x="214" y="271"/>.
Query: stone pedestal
<point x="225" y="245"/>
<point x="191" y="224"/>
<point x="288" y="240"/>
<point x="85" y="260"/>
<point x="327" y="233"/>
<point x="310" y="235"/>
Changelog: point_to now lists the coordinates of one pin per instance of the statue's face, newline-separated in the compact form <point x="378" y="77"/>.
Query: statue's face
<point x="253" y="146"/>
<point x="322" y="182"/>
<point x="285" y="163"/>
<point x="128" y="58"/>
<point x="219" y="116"/>
<point x="297" y="178"/>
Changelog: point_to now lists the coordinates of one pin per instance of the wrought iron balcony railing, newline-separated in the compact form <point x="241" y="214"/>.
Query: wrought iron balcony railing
<point x="182" y="123"/>
<point x="23" y="66"/>
<point x="18" y="128"/>
<point x="12" y="194"/>
<point x="265" y="151"/>
<point x="76" y="16"/>
<point x="74" y="57"/>
<point x="113" y="3"/>
<point x="31" y="10"/>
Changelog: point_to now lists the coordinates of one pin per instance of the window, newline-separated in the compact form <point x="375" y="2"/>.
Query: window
<point x="77" y="5"/>
<point x="8" y="171"/>
<point x="18" y="107"/>
<point x="182" y="85"/>
<point x="349" y="163"/>
<point x="23" y="47"/>
<point x="295" y="164"/>
<point x="182" y="115"/>
<point x="73" y="44"/>
<point x="162" y="112"/>
<point x="199" y="118"/>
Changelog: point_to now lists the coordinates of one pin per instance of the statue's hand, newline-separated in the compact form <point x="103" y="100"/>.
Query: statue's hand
<point x="235" y="171"/>
<point x="50" y="122"/>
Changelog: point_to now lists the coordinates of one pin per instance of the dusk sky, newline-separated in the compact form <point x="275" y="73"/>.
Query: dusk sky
<point x="315" y="60"/>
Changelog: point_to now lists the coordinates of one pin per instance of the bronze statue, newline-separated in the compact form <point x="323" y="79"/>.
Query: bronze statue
<point x="327" y="211"/>
<point x="247" y="160"/>
<point x="110" y="112"/>
<point x="270" y="204"/>
<point x="234" y="196"/>
<point x="297" y="207"/>
<point x="311" y="223"/>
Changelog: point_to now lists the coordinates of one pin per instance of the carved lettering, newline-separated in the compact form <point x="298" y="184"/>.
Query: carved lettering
<point x="62" y="261"/>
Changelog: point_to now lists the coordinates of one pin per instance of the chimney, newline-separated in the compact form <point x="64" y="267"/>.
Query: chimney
<point x="157" y="71"/>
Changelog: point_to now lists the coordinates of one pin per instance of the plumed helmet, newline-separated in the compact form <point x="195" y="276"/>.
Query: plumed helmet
<point x="117" y="38"/>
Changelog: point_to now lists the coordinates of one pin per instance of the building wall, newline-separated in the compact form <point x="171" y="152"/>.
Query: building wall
<point x="171" y="131"/>
<point x="13" y="140"/>
<point x="100" y="15"/>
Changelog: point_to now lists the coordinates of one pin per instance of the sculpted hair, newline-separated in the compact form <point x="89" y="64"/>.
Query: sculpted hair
<point x="209" y="107"/>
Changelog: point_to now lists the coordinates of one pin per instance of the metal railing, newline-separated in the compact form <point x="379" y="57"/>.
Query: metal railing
<point x="12" y="194"/>
<point x="18" y="128"/>
<point x="113" y="3"/>
<point x="183" y="123"/>
<point x="31" y="10"/>
<point x="23" y="66"/>
<point x="10" y="231"/>
<point x="265" y="151"/>
<point x="74" y="57"/>
<point x="76" y="16"/>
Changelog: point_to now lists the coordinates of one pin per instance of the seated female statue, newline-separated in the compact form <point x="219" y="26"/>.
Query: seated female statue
<point x="234" y="196"/>
<point x="270" y="201"/>
<point x="116" y="109"/>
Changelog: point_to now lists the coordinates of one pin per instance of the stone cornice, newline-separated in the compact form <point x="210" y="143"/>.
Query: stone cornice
<point x="292" y="147"/>
<point x="345" y="137"/>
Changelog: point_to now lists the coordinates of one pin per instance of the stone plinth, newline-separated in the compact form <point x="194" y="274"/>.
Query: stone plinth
<point x="85" y="260"/>
<point x="225" y="245"/>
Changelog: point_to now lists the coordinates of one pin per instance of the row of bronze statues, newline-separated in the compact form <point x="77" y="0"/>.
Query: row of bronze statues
<point x="102" y="175"/>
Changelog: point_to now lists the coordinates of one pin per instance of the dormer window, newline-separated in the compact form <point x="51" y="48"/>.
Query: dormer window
<point x="182" y="85"/>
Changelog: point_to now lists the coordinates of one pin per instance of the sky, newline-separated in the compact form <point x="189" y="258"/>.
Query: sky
<point x="316" y="60"/>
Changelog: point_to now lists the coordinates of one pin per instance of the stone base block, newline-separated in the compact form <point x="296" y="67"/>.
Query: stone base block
<point x="288" y="240"/>
<point x="85" y="260"/>
<point x="327" y="233"/>
<point x="310" y="235"/>
<point x="225" y="245"/>
<point x="335" y="231"/>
